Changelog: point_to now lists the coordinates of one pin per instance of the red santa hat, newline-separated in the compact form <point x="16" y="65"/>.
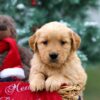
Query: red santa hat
<point x="11" y="65"/>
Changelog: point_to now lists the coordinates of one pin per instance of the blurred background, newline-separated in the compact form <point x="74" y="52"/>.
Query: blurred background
<point x="83" y="16"/>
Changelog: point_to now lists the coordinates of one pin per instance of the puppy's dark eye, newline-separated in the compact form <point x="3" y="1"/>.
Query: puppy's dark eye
<point x="63" y="42"/>
<point x="45" y="42"/>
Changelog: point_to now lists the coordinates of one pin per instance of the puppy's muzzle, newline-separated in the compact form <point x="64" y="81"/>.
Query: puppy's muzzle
<point x="53" y="57"/>
<point x="3" y="27"/>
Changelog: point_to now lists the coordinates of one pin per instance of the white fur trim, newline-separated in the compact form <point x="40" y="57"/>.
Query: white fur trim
<point x="18" y="72"/>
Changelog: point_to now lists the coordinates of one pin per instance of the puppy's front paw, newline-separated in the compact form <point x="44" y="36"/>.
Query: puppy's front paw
<point x="53" y="84"/>
<point x="37" y="85"/>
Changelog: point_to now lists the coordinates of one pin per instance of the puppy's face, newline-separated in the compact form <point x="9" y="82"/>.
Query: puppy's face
<point x="7" y="24"/>
<point x="54" y="43"/>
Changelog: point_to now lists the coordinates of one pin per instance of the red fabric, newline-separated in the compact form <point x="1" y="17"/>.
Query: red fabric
<point x="13" y="58"/>
<point x="20" y="91"/>
<point x="33" y="2"/>
<point x="3" y="47"/>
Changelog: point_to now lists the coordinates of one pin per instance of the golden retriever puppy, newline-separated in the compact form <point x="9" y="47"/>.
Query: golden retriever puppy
<point x="55" y="60"/>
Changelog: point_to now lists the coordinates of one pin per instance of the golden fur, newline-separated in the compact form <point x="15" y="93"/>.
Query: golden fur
<point x="49" y="75"/>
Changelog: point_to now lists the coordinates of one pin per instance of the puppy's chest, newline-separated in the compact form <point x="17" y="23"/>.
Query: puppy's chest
<point x="50" y="71"/>
<point x="66" y="71"/>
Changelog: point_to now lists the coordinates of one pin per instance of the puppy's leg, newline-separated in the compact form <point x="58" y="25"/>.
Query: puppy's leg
<point x="37" y="81"/>
<point x="54" y="82"/>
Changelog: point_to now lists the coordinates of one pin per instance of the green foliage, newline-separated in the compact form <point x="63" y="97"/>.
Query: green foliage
<point x="92" y="91"/>
<point x="70" y="12"/>
<point x="91" y="42"/>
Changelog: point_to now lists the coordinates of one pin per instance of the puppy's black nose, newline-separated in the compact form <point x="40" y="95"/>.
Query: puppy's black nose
<point x="53" y="56"/>
<point x="3" y="27"/>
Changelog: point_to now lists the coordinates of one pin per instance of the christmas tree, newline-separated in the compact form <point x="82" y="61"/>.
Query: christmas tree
<point x="32" y="14"/>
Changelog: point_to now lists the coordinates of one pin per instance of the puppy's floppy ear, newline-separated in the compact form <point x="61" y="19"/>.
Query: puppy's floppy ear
<point x="32" y="42"/>
<point x="76" y="40"/>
